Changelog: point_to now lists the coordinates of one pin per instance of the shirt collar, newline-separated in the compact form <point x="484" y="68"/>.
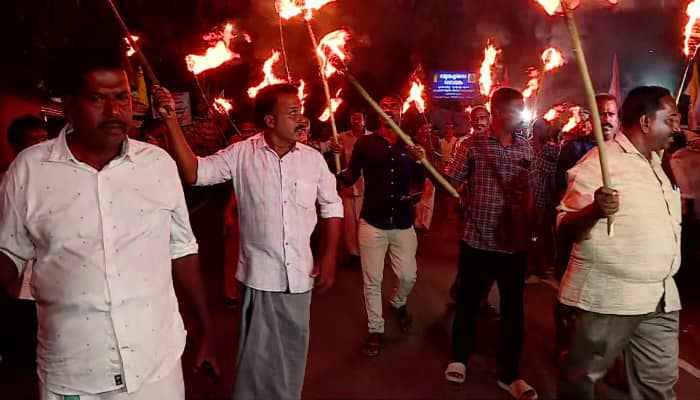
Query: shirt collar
<point x="626" y="146"/>
<point x="61" y="152"/>
<point x="260" y="142"/>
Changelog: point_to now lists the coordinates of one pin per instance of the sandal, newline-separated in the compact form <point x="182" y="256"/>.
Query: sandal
<point x="519" y="389"/>
<point x="456" y="372"/>
<point x="373" y="345"/>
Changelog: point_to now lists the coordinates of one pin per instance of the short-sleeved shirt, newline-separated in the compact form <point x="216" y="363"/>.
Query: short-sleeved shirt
<point x="103" y="242"/>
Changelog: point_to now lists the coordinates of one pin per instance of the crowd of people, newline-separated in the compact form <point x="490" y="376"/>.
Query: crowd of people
<point x="95" y="232"/>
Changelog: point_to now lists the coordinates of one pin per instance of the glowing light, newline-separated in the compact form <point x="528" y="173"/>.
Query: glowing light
<point x="552" y="59"/>
<point x="335" y="103"/>
<point x="415" y="96"/>
<point x="693" y="12"/>
<point x="130" y="49"/>
<point x="216" y="55"/>
<point x="222" y="105"/>
<point x="486" y="70"/>
<point x="575" y="119"/>
<point x="551" y="115"/>
<point x="269" y="77"/>
<point x="302" y="94"/>
<point x="332" y="45"/>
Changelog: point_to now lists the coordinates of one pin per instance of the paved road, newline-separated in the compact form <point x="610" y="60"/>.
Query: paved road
<point x="411" y="366"/>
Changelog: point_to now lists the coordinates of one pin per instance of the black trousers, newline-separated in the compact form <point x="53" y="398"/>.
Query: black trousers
<point x="478" y="270"/>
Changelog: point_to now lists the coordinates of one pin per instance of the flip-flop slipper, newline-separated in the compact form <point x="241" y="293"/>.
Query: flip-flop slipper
<point x="456" y="372"/>
<point x="519" y="389"/>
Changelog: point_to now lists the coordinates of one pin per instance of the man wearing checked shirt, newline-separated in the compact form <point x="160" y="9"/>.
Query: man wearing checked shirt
<point x="278" y="183"/>
<point x="104" y="217"/>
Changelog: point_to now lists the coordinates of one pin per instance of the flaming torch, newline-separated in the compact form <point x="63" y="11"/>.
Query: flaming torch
<point x="216" y="55"/>
<point x="567" y="7"/>
<point x="222" y="105"/>
<point x="693" y="12"/>
<point x="269" y="77"/>
<point x="415" y="97"/>
<point x="486" y="70"/>
<point x="338" y="63"/>
<point x="331" y="45"/>
<point x="171" y="123"/>
<point x="335" y="104"/>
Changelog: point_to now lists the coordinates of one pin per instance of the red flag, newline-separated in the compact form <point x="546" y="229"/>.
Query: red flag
<point x="615" y="80"/>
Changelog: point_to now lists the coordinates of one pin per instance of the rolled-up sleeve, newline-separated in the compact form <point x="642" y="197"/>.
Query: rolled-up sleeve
<point x="215" y="168"/>
<point x="15" y="241"/>
<point x="329" y="201"/>
<point x="583" y="180"/>
<point x="182" y="240"/>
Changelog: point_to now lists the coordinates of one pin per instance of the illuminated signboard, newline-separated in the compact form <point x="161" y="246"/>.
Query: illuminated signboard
<point x="455" y="85"/>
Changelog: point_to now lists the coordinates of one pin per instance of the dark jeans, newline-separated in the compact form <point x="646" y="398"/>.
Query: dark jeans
<point x="478" y="270"/>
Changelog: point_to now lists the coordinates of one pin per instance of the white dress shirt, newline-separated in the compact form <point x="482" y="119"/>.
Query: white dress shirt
<point x="629" y="273"/>
<point x="102" y="243"/>
<point x="277" y="209"/>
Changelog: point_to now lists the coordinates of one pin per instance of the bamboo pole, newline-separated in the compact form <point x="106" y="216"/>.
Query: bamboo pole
<point x="590" y="96"/>
<point x="407" y="139"/>
<point x="171" y="123"/>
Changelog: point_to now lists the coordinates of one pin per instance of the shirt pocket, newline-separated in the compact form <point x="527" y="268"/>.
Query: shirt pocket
<point x="305" y="193"/>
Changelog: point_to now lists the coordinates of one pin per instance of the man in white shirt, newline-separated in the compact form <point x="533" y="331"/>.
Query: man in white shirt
<point x="105" y="219"/>
<point x="278" y="183"/>
<point x="622" y="286"/>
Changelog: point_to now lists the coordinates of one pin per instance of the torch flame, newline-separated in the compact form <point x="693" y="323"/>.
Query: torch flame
<point x="485" y="78"/>
<point x="288" y="9"/>
<point x="554" y="6"/>
<point x="693" y="12"/>
<point x="301" y="93"/>
<point x="532" y="86"/>
<point x="130" y="49"/>
<point x="332" y="45"/>
<point x="551" y="115"/>
<point x="215" y="55"/>
<point x="415" y="96"/>
<point x="552" y="59"/>
<point x="269" y="75"/>
<point x="574" y="120"/>
<point x="222" y="105"/>
<point x="335" y="103"/>
<point x="314" y="5"/>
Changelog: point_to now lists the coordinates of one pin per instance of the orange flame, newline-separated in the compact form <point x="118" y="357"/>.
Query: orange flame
<point x="693" y="12"/>
<point x="574" y="120"/>
<point x="335" y="103"/>
<point x="332" y="45"/>
<point x="485" y="72"/>
<point x="302" y="93"/>
<point x="215" y="55"/>
<point x="314" y="5"/>
<point x="222" y="105"/>
<point x="554" y="6"/>
<point x="551" y="115"/>
<point x="533" y="85"/>
<point x="415" y="96"/>
<point x="130" y="49"/>
<point x="269" y="78"/>
<point x="288" y="9"/>
<point x="552" y="59"/>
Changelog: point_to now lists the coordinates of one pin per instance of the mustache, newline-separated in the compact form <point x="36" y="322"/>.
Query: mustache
<point x="606" y="125"/>
<point x="119" y="123"/>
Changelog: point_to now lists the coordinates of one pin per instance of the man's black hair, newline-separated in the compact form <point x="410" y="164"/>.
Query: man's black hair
<point x="266" y="100"/>
<point x="75" y="64"/>
<point x="642" y="100"/>
<point x="503" y="96"/>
